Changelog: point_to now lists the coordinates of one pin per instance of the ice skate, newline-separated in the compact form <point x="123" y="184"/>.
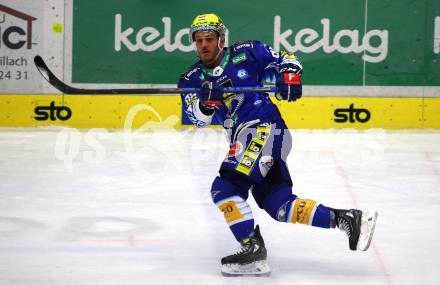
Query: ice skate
<point x="249" y="260"/>
<point x="358" y="225"/>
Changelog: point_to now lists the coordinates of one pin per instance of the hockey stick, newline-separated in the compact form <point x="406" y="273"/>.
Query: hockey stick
<point x="67" y="89"/>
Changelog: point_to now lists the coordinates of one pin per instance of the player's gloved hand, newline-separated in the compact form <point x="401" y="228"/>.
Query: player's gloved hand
<point x="288" y="81"/>
<point x="211" y="95"/>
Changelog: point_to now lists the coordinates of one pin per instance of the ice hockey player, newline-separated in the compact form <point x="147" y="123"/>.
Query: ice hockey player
<point x="259" y="143"/>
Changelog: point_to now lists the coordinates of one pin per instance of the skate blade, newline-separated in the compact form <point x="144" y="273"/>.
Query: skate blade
<point x="257" y="268"/>
<point x="368" y="224"/>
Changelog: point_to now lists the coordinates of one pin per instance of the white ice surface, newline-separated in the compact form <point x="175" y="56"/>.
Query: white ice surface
<point x="100" y="207"/>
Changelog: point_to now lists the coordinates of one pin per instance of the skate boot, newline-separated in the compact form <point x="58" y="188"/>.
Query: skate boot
<point x="358" y="225"/>
<point x="250" y="259"/>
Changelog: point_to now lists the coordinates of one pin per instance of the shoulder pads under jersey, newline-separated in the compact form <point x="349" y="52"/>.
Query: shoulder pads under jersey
<point x="190" y="72"/>
<point x="244" y="44"/>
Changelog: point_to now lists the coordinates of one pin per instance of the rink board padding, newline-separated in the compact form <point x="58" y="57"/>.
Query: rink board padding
<point x="362" y="113"/>
<point x="114" y="112"/>
<point x="164" y="112"/>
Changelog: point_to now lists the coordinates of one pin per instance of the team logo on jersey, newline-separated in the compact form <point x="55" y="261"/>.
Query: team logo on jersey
<point x="217" y="71"/>
<point x="190" y="98"/>
<point x="282" y="212"/>
<point x="242" y="74"/>
<point x="266" y="163"/>
<point x="239" y="58"/>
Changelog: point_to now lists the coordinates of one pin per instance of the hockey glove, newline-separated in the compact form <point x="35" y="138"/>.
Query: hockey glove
<point x="211" y="95"/>
<point x="288" y="81"/>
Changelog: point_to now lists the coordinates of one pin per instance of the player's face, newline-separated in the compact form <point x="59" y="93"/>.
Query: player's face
<point x="207" y="45"/>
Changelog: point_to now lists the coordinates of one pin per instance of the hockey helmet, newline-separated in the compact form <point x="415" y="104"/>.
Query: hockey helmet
<point x="208" y="22"/>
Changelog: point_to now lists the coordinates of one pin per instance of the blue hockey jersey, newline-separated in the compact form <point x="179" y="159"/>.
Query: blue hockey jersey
<point x="244" y="64"/>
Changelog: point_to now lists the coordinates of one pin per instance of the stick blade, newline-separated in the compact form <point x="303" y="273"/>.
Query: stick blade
<point x="42" y="67"/>
<point x="51" y="78"/>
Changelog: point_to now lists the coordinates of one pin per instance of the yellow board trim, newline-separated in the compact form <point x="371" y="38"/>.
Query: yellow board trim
<point x="386" y="113"/>
<point x="165" y="112"/>
<point x="111" y="112"/>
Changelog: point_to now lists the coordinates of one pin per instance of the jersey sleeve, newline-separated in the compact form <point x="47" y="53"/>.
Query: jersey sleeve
<point x="271" y="60"/>
<point x="191" y="103"/>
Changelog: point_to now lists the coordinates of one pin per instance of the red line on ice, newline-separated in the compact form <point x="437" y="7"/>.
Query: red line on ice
<point x="349" y="189"/>
<point x="433" y="166"/>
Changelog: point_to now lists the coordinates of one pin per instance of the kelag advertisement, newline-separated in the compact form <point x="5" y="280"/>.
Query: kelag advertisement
<point x="347" y="42"/>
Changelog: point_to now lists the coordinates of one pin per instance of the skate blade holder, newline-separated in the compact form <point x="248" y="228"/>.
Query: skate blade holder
<point x="256" y="269"/>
